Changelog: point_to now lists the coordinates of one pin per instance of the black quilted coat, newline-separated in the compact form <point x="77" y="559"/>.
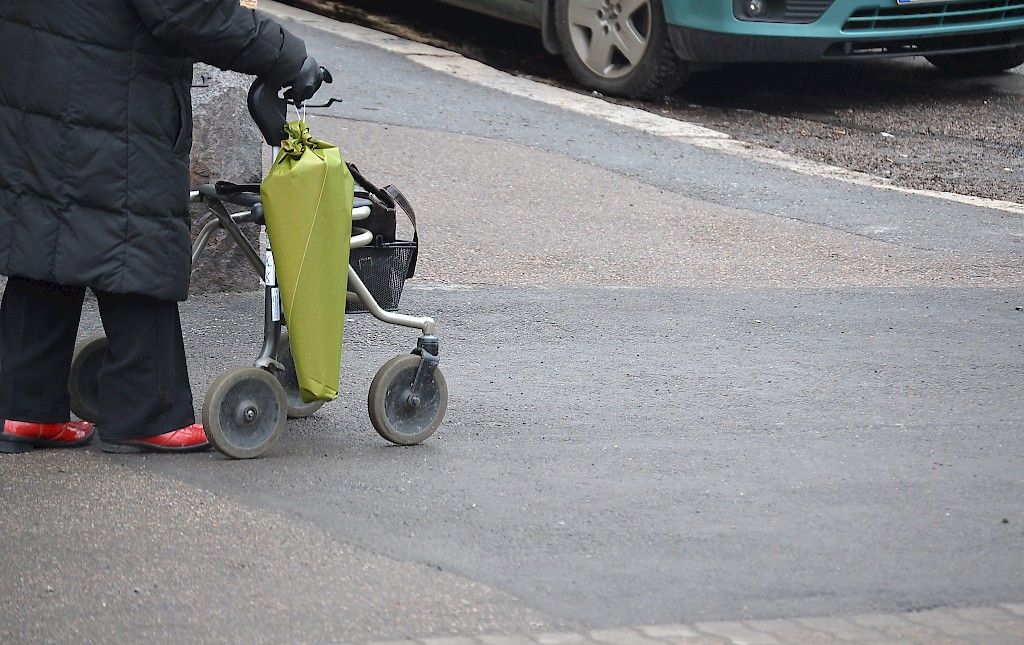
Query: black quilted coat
<point x="96" y="127"/>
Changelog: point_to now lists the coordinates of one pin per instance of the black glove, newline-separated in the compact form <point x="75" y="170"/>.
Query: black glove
<point x="307" y="82"/>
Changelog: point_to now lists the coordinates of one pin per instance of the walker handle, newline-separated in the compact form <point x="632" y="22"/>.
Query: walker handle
<point x="270" y="111"/>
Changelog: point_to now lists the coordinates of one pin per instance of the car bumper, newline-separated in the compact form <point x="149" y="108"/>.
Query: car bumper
<point x="709" y="46"/>
<point x="706" y="31"/>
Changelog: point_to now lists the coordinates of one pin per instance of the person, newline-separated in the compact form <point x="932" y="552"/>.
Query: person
<point x="95" y="128"/>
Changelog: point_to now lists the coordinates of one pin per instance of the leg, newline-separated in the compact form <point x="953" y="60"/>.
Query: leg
<point x="144" y="386"/>
<point x="38" y="327"/>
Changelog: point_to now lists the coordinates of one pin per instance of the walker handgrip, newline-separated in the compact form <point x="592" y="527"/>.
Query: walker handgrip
<point x="269" y="111"/>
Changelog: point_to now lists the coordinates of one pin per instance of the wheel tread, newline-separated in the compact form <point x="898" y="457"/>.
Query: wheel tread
<point x="668" y="76"/>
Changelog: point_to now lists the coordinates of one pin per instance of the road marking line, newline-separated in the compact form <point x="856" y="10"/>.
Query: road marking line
<point x="467" y="69"/>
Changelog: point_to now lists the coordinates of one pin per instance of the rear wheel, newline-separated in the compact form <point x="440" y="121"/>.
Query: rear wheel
<point x="980" y="63"/>
<point x="289" y="378"/>
<point x="245" y="412"/>
<point x="84" y="384"/>
<point x="619" y="47"/>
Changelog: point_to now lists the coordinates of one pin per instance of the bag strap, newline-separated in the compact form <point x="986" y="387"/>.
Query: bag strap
<point x="376" y="195"/>
<point x="403" y="203"/>
<point x="388" y="197"/>
<point x="391" y="198"/>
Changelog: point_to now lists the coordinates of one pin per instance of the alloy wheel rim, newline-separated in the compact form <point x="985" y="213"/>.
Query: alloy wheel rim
<point x="610" y="36"/>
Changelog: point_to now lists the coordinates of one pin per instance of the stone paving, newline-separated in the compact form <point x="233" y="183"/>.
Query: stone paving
<point x="999" y="625"/>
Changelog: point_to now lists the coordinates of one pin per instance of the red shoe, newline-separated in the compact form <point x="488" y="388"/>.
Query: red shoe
<point x="22" y="436"/>
<point x="188" y="439"/>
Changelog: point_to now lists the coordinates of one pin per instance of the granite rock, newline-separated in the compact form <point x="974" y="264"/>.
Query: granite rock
<point x="225" y="145"/>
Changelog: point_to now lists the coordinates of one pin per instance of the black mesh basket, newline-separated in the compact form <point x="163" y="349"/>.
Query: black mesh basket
<point x="383" y="269"/>
<point x="385" y="265"/>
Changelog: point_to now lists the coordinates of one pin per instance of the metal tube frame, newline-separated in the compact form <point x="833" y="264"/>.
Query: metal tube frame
<point x="359" y="293"/>
<point x="273" y="317"/>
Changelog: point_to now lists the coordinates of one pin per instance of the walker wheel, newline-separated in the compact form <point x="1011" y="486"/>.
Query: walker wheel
<point x="395" y="414"/>
<point x="297" y="408"/>
<point x="245" y="412"/>
<point x="84" y="383"/>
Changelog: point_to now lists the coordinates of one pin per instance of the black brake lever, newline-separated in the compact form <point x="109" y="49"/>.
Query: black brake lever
<point x="329" y="103"/>
<point x="326" y="74"/>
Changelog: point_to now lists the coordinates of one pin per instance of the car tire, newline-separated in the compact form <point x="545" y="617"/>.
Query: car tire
<point x="619" y="47"/>
<point x="980" y="63"/>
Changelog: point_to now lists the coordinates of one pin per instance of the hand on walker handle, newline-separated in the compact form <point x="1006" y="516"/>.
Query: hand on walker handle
<point x="311" y="76"/>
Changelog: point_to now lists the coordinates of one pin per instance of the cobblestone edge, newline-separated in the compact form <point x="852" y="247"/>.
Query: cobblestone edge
<point x="996" y="625"/>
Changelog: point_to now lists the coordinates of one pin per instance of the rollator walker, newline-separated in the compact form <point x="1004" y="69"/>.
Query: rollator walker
<point x="246" y="409"/>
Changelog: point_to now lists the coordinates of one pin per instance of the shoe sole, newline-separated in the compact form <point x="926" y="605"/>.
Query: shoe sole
<point x="15" y="447"/>
<point x="13" y="444"/>
<point x="136" y="448"/>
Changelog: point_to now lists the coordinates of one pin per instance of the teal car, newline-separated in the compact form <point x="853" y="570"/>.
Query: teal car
<point x="646" y="48"/>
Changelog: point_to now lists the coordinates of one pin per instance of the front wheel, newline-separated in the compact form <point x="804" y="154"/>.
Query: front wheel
<point x="619" y="47"/>
<point x="980" y="63"/>
<point x="397" y="413"/>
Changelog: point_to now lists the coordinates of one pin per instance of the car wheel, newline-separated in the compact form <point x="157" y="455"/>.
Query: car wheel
<point x="981" y="63"/>
<point x="619" y="47"/>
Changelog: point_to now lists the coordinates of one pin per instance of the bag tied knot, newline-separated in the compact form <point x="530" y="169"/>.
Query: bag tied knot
<point x="299" y="140"/>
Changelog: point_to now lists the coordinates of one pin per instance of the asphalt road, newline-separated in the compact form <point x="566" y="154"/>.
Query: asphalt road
<point x="685" y="386"/>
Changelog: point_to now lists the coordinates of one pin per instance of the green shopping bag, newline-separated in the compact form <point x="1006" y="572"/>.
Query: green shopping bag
<point x="307" y="201"/>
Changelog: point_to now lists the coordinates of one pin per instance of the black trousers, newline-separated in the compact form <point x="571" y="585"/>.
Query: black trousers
<point x="143" y="384"/>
